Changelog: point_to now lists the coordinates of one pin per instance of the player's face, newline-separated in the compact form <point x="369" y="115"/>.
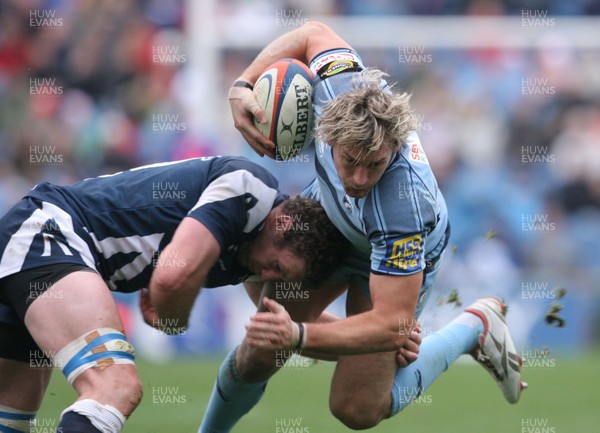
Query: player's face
<point x="272" y="262"/>
<point x="359" y="177"/>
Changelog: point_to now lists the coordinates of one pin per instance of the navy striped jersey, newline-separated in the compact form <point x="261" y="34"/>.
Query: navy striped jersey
<point x="119" y="224"/>
<point x="401" y="225"/>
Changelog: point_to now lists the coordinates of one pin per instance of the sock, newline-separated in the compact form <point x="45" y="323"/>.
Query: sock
<point x="72" y="422"/>
<point x="231" y="398"/>
<point x="93" y="417"/>
<point x="438" y="351"/>
<point x="15" y="420"/>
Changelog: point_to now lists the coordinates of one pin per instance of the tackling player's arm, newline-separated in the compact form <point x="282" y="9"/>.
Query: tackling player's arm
<point x="387" y="327"/>
<point x="176" y="283"/>
<point x="255" y="288"/>
<point x="303" y="43"/>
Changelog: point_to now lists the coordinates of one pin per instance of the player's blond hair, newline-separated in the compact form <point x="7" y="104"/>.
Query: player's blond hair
<point x="367" y="118"/>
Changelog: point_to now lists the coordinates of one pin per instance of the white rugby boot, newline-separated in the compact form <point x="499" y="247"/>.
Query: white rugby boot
<point x="496" y="351"/>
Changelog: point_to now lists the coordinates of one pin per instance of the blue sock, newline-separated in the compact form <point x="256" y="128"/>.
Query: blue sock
<point x="231" y="398"/>
<point x="438" y="351"/>
<point x="72" y="422"/>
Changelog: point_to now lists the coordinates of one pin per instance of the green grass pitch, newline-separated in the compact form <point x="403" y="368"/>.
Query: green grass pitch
<point x="563" y="398"/>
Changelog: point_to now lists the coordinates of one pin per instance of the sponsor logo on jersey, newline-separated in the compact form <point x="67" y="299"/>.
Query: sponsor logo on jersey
<point x="318" y="63"/>
<point x="417" y="153"/>
<point x="404" y="254"/>
<point x="338" y="66"/>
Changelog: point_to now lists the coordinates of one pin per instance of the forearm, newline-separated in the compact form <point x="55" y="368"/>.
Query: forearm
<point x="174" y="287"/>
<point x="364" y="333"/>
<point x="172" y="295"/>
<point x="386" y="327"/>
<point x="325" y="317"/>
<point x="293" y="44"/>
<point x="303" y="43"/>
<point x="172" y="312"/>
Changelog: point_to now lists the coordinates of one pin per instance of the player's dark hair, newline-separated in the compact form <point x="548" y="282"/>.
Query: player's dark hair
<point x="313" y="237"/>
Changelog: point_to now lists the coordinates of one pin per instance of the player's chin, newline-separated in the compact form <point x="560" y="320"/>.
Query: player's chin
<point x="357" y="192"/>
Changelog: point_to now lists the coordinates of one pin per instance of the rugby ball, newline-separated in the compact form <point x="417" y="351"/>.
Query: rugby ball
<point x="284" y="91"/>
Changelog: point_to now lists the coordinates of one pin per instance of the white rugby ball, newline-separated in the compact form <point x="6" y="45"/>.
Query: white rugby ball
<point x="284" y="91"/>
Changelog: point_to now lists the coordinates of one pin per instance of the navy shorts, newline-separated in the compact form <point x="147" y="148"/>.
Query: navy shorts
<point x="17" y="292"/>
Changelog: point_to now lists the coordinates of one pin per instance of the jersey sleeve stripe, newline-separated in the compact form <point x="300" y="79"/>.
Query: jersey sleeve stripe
<point x="328" y="56"/>
<point x="239" y="183"/>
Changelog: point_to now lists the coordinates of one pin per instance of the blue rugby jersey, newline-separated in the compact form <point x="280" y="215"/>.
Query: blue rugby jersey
<point x="401" y="226"/>
<point x="120" y="223"/>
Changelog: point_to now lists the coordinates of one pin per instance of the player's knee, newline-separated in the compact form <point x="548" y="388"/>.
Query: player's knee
<point x="130" y="390"/>
<point x="354" y="414"/>
<point x="356" y="420"/>
<point x="118" y="386"/>
<point x="135" y="394"/>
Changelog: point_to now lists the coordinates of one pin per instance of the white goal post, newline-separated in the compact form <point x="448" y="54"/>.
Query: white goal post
<point x="210" y="33"/>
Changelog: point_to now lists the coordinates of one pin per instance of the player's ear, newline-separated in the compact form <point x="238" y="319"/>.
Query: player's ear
<point x="275" y="225"/>
<point x="282" y="222"/>
<point x="278" y="220"/>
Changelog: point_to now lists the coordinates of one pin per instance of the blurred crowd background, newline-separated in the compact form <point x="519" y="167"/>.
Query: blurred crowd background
<point x="513" y="135"/>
